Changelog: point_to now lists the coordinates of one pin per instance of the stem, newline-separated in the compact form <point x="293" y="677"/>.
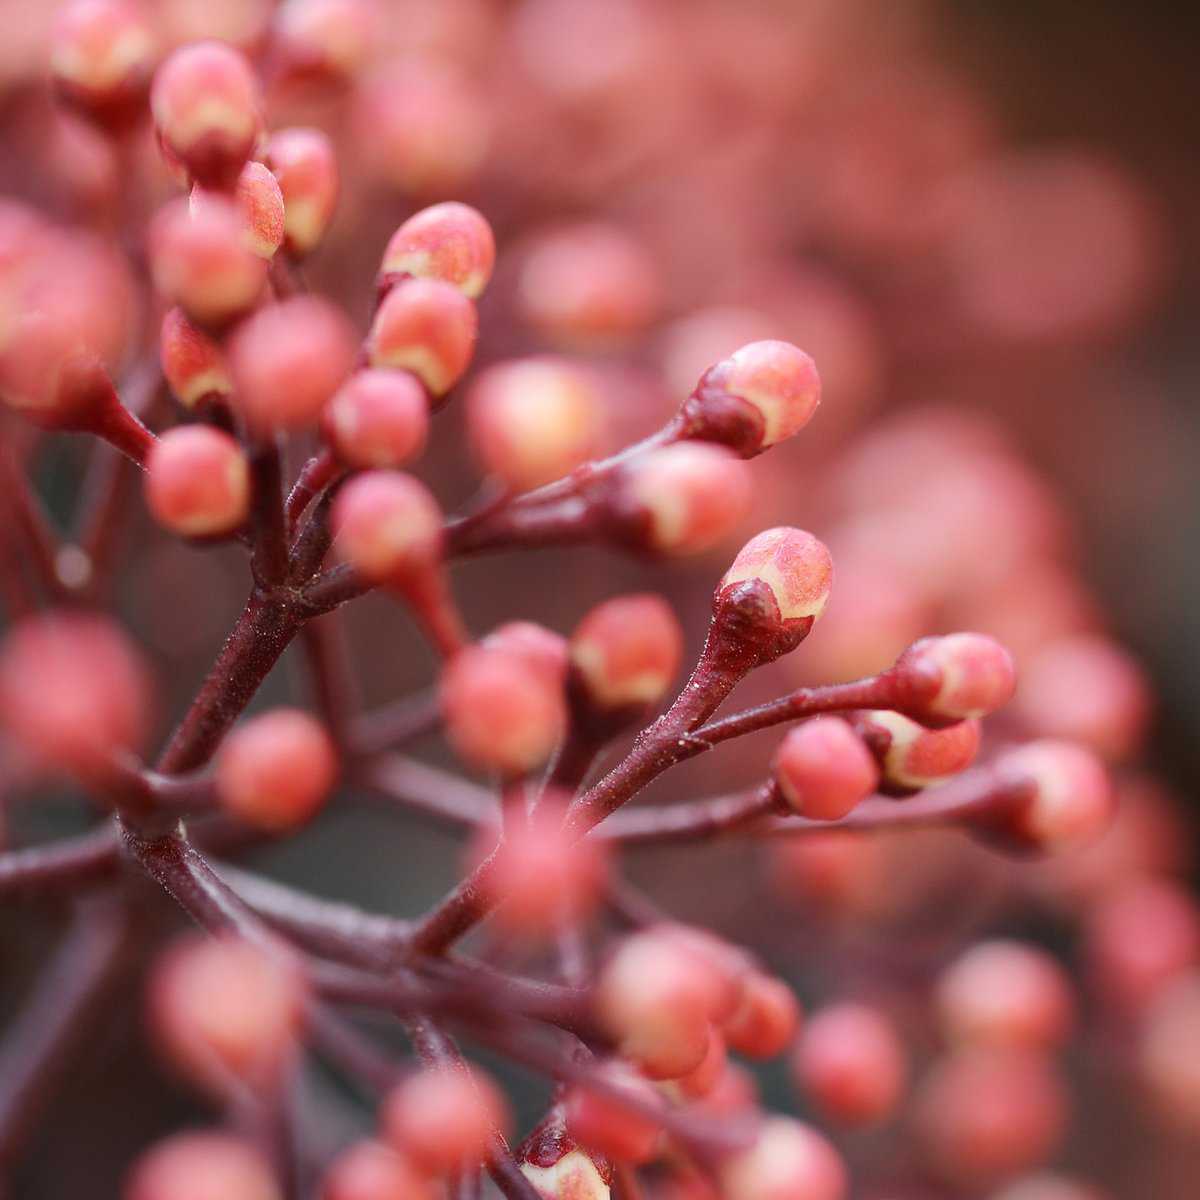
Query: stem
<point x="397" y="723"/>
<point x="270" y="562"/>
<point x="315" y="475"/>
<point x="62" y="864"/>
<point x="428" y="790"/>
<point x="691" y="822"/>
<point x="31" y="528"/>
<point x="324" y="643"/>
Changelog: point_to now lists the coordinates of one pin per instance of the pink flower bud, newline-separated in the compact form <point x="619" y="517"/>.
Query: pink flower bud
<point x="1048" y="1185"/>
<point x="192" y="362"/>
<point x="502" y="712"/>
<point x="201" y="1166"/>
<point x="331" y="38"/>
<point x="288" y="360"/>
<point x="1003" y="993"/>
<point x="542" y="648"/>
<point x="762" y="394"/>
<point x="224" y="1010"/>
<point x="387" y="525"/>
<point x="275" y="770"/>
<point x="788" y="1160"/>
<point x="766" y="1018"/>
<point x="795" y="569"/>
<point x="824" y="770"/>
<point x="912" y="757"/>
<point x="378" y="419"/>
<point x="957" y="676"/>
<point x="426" y="327"/>
<point x="602" y="1123"/>
<point x="451" y="242"/>
<point x="303" y="162"/>
<point x="626" y="652"/>
<point x="201" y="262"/>
<point x="260" y="201"/>
<point x="851" y="1063"/>
<point x="197" y="481"/>
<point x="1169" y="1053"/>
<point x="532" y="421"/>
<point x="710" y="1074"/>
<point x="682" y="499"/>
<point x="443" y="1117"/>
<point x="369" y="1170"/>
<point x="206" y="109"/>
<point x="73" y="690"/>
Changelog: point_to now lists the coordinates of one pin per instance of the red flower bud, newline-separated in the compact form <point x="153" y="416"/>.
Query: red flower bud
<point x="788" y="1160"/>
<point x="451" y="242"/>
<point x="369" y="1170"/>
<point x="201" y="1166"/>
<point x="426" y="327"/>
<point x="957" y="676"/>
<point x="911" y="756"/>
<point x="197" y="481"/>
<point x="303" y="162"/>
<point x="192" y="362"/>
<point x="260" y="202"/>
<point x="1048" y="1185"/>
<point x="378" y="419"/>
<point x="824" y="770"/>
<point x="330" y="38"/>
<point x="541" y="647"/>
<point x="766" y="1018"/>
<point x="606" y="1126"/>
<point x="387" y="525"/>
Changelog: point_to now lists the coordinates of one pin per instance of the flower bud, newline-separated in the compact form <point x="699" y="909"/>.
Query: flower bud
<point x="912" y="757"/>
<point x="288" y="360"/>
<point x="443" y="1117"/>
<point x="762" y="394"/>
<point x="682" y="499"/>
<point x="303" y="162"/>
<point x="542" y="648"/>
<point x="789" y="571"/>
<point x="223" y="1009"/>
<point x="197" y="482"/>
<point x="200" y="260"/>
<point x="192" y="362"/>
<point x="709" y="1075"/>
<point x="788" y="1160"/>
<point x="626" y="652"/>
<point x="502" y="713"/>
<point x="823" y="769"/>
<point x="275" y="770"/>
<point x="605" y="1125"/>
<point x="201" y="1166"/>
<point x="369" y="1170"/>
<point x="1048" y="1185"/>
<point x="1169" y="1053"/>
<point x="387" y="525"/>
<point x="426" y="327"/>
<point x="206" y="108"/>
<point x="851" y="1063"/>
<point x="564" y="1171"/>
<point x="330" y="38"/>
<point x="260" y="201"/>
<point x="957" y="676"/>
<point x="766" y="1018"/>
<point x="378" y="419"/>
<point x="451" y="242"/>
<point x="73" y="690"/>
<point x="532" y="420"/>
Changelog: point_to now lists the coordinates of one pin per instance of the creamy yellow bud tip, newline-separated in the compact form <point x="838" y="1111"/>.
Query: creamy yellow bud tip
<point x="794" y="565"/>
<point x="573" y="1177"/>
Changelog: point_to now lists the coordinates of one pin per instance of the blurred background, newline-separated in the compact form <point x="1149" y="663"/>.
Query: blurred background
<point x="980" y="218"/>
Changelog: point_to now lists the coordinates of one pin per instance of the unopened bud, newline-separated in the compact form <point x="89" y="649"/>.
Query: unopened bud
<point x="427" y="327"/>
<point x="192" y="362"/>
<point x="788" y="1160"/>
<point x="200" y="1166"/>
<point x="387" y="525"/>
<point x="957" y="676"/>
<point x="910" y="756"/>
<point x="303" y="162"/>
<point x="197" y="481"/>
<point x="824" y="770"/>
<point x="450" y="242"/>
<point x="378" y="419"/>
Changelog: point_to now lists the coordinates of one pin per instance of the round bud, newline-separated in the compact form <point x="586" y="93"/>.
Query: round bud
<point x="539" y="646"/>
<point x="600" y="1121"/>
<point x="451" y="242"/>
<point x="794" y="567"/>
<point x="426" y="327"/>
<point x="1002" y="993"/>
<point x="766" y="1018"/>
<point x="378" y="419"/>
<point x="532" y="421"/>
<point x="626" y="652"/>
<point x="288" y="360"/>
<point x="224" y="1009"/>
<point x="710" y="1074"/>
<point x="201" y="262"/>
<point x="197" y="481"/>
<point x="303" y="162"/>
<point x="1048" y="1185"/>
<point x="957" y="676"/>
<point x="502" y="712"/>
<point x="778" y="390"/>
<point x="206" y="108"/>
<point x="274" y="771"/>
<point x="260" y="201"/>
<point x="192" y="362"/>
<point x="369" y="1170"/>
<point x="443" y="1117"/>
<point x="1169" y="1053"/>
<point x="572" y="1175"/>
<point x="683" y="499"/>
<point x="788" y="1161"/>
<point x="823" y="769"/>
<point x="735" y="1093"/>
<point x="387" y="525"/>
<point x="911" y="756"/>
<point x="331" y="38"/>
<point x="852" y="1064"/>
<point x="201" y="1166"/>
<point x="73" y="690"/>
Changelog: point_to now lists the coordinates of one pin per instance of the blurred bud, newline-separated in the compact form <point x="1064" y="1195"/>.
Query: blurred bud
<point x="957" y="676"/>
<point x="823" y="769"/>
<point x="1048" y="1185"/>
<point x="192" y="362"/>
<point x="288" y="360"/>
<point x="303" y="162"/>
<point x="601" y="1122"/>
<point x="206" y="107"/>
<point x="73" y="690"/>
<point x="330" y="38"/>
<point x="1169" y="1053"/>
<point x="1003" y="993"/>
<point x="443" y="1117"/>
<point x="369" y="1170"/>
<point x="912" y="757"/>
<point x="426" y="327"/>
<point x="450" y="242"/>
<point x="788" y="1160"/>
<point x="532" y="420"/>
<point x="789" y="571"/>
<point x="851" y="1063"/>
<point x="387" y="526"/>
<point x="197" y="482"/>
<point x="766" y="1018"/>
<point x="274" y="771"/>
<point x="706" y="1078"/>
<point x="241" y="23"/>
<point x="542" y="648"/>
<point x="378" y="419"/>
<point x="201" y="262"/>
<point x="502" y="712"/>
<point x="201" y="1166"/>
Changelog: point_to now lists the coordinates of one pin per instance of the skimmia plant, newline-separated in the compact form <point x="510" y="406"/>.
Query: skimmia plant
<point x="631" y="1013"/>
